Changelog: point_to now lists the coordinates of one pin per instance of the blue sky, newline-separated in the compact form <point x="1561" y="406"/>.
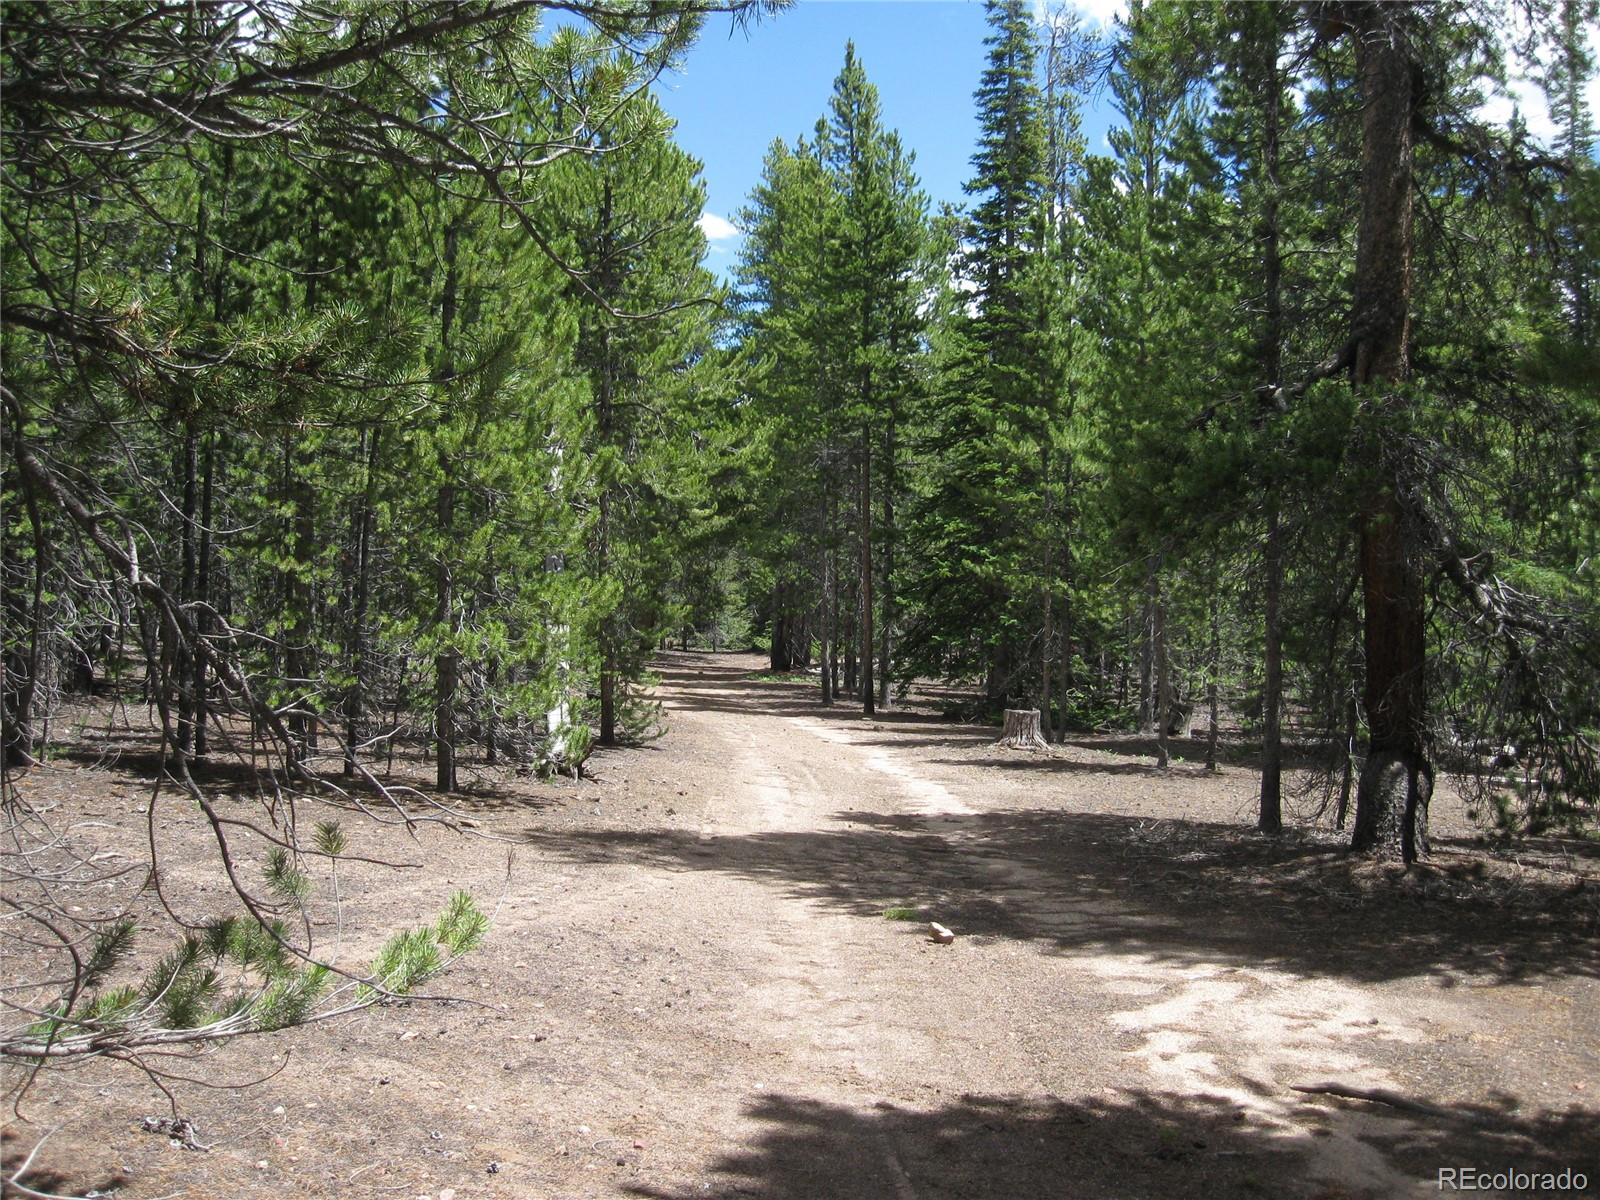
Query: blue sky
<point x="739" y="90"/>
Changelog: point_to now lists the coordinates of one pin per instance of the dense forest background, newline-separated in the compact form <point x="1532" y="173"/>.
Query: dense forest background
<point x="365" y="391"/>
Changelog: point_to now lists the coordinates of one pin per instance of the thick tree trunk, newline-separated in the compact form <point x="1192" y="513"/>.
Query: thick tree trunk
<point x="1397" y="780"/>
<point x="779" y="655"/>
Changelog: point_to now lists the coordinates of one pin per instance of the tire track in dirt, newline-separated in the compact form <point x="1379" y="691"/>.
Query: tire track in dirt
<point x="1243" y="1035"/>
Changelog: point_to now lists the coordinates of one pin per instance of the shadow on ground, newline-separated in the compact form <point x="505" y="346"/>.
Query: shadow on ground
<point x="17" y="1143"/>
<point x="1127" y="1144"/>
<point x="702" y="684"/>
<point x="1188" y="891"/>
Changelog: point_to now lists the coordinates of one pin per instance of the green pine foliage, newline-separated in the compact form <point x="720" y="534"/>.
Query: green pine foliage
<point x="1130" y="470"/>
<point x="390" y="416"/>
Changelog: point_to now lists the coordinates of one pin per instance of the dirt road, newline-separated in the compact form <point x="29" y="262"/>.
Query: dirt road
<point x="692" y="990"/>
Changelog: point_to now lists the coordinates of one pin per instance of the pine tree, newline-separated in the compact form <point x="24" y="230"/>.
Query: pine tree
<point x="982" y="568"/>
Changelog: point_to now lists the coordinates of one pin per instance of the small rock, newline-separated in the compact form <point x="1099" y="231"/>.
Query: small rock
<point x="938" y="933"/>
<point x="408" y="1035"/>
<point x="447" y="1194"/>
<point x="638" y="1145"/>
<point x="278" y="1112"/>
<point x="261" y="1164"/>
<point x="493" y="1168"/>
<point x="583" y="1129"/>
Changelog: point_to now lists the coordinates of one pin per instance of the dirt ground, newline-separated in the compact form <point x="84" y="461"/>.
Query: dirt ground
<point x="691" y="989"/>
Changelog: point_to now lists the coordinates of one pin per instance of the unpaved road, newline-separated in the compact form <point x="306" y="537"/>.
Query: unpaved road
<point x="691" y="990"/>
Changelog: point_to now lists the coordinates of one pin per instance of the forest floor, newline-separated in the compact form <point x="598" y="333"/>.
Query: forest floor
<point x="691" y="988"/>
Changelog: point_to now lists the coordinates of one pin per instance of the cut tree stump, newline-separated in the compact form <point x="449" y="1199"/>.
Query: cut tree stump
<point x="1021" y="731"/>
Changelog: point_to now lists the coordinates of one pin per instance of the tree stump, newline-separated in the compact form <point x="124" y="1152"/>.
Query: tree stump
<point x="1021" y="730"/>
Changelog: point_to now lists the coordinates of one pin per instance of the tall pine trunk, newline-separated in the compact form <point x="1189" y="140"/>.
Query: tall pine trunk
<point x="1048" y="633"/>
<point x="355" y="698"/>
<point x="1397" y="780"/>
<point x="868" y="697"/>
<point x="1270" y="818"/>
<point x="446" y="666"/>
<point x="1158" y="638"/>
<point x="885" y="646"/>
<point x="1270" y="356"/>
<point x="24" y="609"/>
<point x="1213" y="688"/>
<point x="183" y="657"/>
<point x="202" y="591"/>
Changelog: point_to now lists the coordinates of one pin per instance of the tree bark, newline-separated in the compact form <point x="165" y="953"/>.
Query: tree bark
<point x="828" y="616"/>
<point x="1158" y="636"/>
<point x="202" y="590"/>
<point x="885" y="645"/>
<point x="1270" y="819"/>
<point x="1215" y="661"/>
<point x="1397" y="780"/>
<point x="182" y="662"/>
<point x="868" y="697"/>
<point x="355" y="699"/>
<point x="446" y="667"/>
<point x="1270" y="355"/>
<point x="1047" y="634"/>
<point x="1351" y="728"/>
<point x="1147" y="654"/>
<point x="1021" y="730"/>
<point x="20" y="673"/>
<point x="779" y="656"/>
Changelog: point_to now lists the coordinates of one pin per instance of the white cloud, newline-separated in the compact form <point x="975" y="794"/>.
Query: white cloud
<point x="1526" y="98"/>
<point x="1521" y="93"/>
<point x="717" y="229"/>
<point x="1101" y="13"/>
